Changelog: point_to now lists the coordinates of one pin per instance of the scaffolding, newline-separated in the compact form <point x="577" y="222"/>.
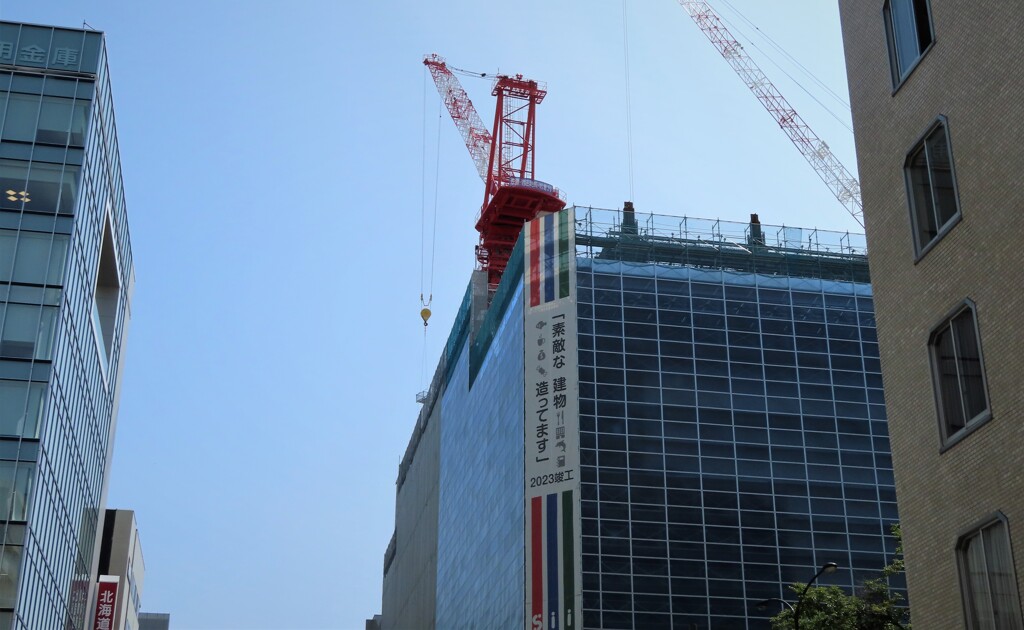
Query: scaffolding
<point x="751" y="247"/>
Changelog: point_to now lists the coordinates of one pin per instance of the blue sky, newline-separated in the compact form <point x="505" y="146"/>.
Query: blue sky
<point x="272" y="156"/>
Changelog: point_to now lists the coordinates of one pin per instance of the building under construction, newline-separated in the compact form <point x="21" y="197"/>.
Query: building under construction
<point x="641" y="421"/>
<point x="725" y="407"/>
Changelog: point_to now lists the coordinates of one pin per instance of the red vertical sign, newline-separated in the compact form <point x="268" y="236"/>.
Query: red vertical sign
<point x="106" y="597"/>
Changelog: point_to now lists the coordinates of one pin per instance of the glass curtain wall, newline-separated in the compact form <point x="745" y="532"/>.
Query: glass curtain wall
<point x="734" y="439"/>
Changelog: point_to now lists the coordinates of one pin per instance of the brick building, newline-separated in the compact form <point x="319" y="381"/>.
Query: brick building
<point x="937" y="100"/>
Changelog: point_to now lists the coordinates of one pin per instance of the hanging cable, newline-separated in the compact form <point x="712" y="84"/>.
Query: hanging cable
<point x="629" y="113"/>
<point x="437" y="177"/>
<point x="470" y="73"/>
<point x="785" y="53"/>
<point x="423" y="188"/>
<point x="425" y="311"/>
<point x="426" y="302"/>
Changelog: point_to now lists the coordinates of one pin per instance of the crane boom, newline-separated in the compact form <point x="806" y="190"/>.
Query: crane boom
<point x="840" y="181"/>
<point x="478" y="140"/>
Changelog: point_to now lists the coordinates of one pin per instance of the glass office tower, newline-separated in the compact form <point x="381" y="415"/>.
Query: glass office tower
<point x="65" y="284"/>
<point x="732" y="429"/>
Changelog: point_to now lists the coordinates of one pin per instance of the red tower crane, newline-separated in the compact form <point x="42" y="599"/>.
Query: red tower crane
<point x="843" y="185"/>
<point x="504" y="158"/>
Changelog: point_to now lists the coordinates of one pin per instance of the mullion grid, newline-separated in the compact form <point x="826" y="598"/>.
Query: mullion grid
<point x="664" y="452"/>
<point x="868" y="446"/>
<point x="842" y="473"/>
<point x="728" y="368"/>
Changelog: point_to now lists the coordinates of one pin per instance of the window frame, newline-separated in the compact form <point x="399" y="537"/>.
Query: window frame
<point x="948" y="440"/>
<point x="922" y="249"/>
<point x="963" y="575"/>
<point x="897" y="76"/>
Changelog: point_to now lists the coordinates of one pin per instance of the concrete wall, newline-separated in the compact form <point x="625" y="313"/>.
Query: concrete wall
<point x="972" y="76"/>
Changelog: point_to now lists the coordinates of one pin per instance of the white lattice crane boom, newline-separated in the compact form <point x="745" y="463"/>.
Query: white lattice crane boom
<point x="840" y="181"/>
<point x="476" y="136"/>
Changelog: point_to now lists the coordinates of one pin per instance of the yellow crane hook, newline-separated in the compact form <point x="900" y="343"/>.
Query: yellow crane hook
<point x="425" y="313"/>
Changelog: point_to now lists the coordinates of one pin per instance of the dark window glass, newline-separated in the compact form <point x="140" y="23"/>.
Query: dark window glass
<point x="604" y="281"/>
<point x="931" y="187"/>
<point x="638" y="299"/>
<point x="956" y="359"/>
<point x="22" y="113"/>
<point x="607" y="297"/>
<point x="673" y="303"/>
<point x="772" y="312"/>
<point x="643" y="331"/>
<point x="706" y="290"/>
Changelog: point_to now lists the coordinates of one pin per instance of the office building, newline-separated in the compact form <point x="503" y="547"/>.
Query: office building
<point x="121" y="558"/>
<point x="937" y="97"/>
<point x="65" y="285"/>
<point x="684" y="418"/>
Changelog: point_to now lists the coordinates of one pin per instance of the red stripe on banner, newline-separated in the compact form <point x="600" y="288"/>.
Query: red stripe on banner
<point x="537" y="559"/>
<point x="534" y="262"/>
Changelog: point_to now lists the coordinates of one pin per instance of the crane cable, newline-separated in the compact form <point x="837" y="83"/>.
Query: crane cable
<point x="423" y="188"/>
<point x="629" y="113"/>
<point x="470" y="73"/>
<point x="736" y="29"/>
<point x="774" y="44"/>
<point x="426" y="302"/>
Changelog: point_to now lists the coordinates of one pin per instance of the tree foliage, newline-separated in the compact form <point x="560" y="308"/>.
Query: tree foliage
<point x="873" y="606"/>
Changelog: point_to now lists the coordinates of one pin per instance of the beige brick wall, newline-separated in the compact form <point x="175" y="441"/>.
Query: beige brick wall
<point x="974" y="75"/>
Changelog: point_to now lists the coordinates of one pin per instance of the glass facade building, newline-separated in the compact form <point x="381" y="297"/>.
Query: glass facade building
<point x="65" y="283"/>
<point x="732" y="427"/>
<point x="733" y="438"/>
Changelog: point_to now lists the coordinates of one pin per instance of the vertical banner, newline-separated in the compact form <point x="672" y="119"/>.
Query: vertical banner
<point x="106" y="598"/>
<point x="554" y="595"/>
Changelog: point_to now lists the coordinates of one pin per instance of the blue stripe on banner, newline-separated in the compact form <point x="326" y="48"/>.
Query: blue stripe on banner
<point x="549" y="258"/>
<point x="553" y="601"/>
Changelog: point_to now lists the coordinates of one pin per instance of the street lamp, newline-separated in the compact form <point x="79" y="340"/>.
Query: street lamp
<point x="761" y="605"/>
<point x="828" y="567"/>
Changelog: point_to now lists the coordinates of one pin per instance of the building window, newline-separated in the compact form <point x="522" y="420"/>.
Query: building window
<point x="931" y="188"/>
<point x="48" y="188"/>
<point x="959" y="373"/>
<point x="27" y="331"/>
<point x="908" y="30"/>
<point x="987" y="578"/>
<point x="32" y="257"/>
<point x="10" y="561"/>
<point x="15" y="489"/>
<point x="21" y="408"/>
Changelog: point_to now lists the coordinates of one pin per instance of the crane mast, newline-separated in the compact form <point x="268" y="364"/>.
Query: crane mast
<point x="840" y="181"/>
<point x="505" y="160"/>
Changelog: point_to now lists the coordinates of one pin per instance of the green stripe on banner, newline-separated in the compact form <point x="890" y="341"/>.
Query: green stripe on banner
<point x="568" y="563"/>
<point x="563" y="254"/>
